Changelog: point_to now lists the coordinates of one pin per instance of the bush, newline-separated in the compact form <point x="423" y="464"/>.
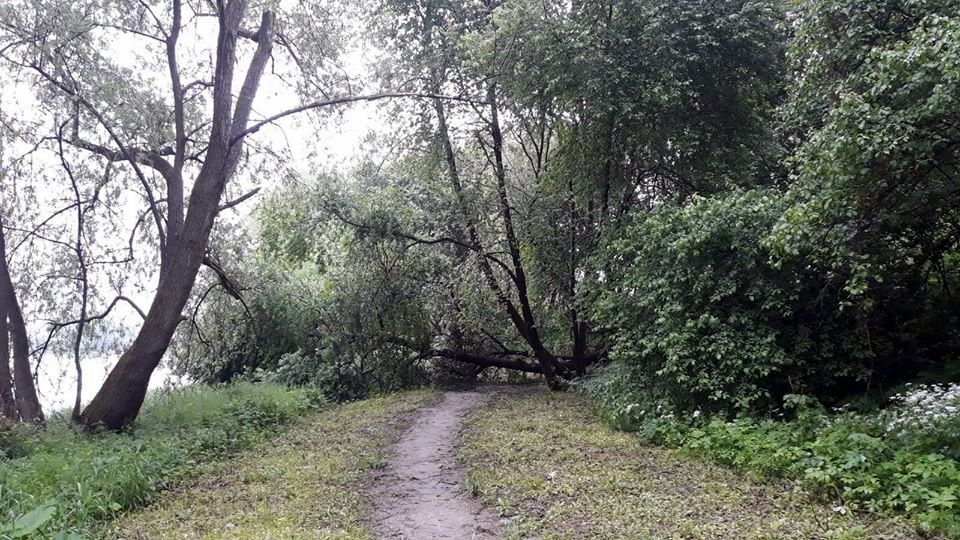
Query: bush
<point x="705" y="318"/>
<point x="67" y="481"/>
<point x="335" y="378"/>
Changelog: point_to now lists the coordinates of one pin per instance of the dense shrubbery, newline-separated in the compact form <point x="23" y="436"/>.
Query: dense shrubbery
<point x="62" y="480"/>
<point x="903" y="459"/>
<point x="841" y="278"/>
<point x="702" y="314"/>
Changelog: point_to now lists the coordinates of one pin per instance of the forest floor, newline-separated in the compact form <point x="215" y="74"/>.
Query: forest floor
<point x="411" y="466"/>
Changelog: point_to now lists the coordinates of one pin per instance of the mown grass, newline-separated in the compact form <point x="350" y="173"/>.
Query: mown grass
<point x="60" y="482"/>
<point x="557" y="472"/>
<point x="307" y="483"/>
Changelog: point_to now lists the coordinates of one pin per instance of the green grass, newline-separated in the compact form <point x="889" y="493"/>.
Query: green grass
<point x="557" y="472"/>
<point x="308" y="483"/>
<point x="59" y="481"/>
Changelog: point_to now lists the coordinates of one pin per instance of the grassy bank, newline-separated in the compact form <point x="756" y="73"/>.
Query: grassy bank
<point x="902" y="459"/>
<point x="58" y="482"/>
<point x="308" y="483"/>
<point x="552" y="466"/>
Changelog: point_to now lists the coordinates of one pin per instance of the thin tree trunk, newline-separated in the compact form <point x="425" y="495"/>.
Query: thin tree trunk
<point x="25" y="393"/>
<point x="522" y="324"/>
<point x="84" y="285"/>
<point x="8" y="407"/>
<point x="548" y="361"/>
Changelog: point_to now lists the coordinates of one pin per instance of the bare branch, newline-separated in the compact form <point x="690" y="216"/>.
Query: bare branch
<point x="238" y="200"/>
<point x="340" y="101"/>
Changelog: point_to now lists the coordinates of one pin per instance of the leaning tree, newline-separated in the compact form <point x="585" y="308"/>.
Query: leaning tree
<point x="173" y="106"/>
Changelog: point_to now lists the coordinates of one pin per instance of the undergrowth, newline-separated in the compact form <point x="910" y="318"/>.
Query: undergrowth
<point x="898" y="460"/>
<point x="61" y="483"/>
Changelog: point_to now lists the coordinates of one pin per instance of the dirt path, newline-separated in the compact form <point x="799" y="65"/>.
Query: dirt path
<point x="419" y="494"/>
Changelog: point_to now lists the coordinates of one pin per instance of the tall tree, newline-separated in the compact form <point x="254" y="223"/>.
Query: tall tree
<point x="120" y="116"/>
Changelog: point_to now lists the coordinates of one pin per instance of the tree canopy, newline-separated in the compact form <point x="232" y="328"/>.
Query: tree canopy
<point x="728" y="202"/>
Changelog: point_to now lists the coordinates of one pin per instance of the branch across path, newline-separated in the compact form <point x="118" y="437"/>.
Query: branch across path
<point x="419" y="496"/>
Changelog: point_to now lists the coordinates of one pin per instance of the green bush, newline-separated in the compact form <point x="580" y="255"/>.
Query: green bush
<point x="67" y="481"/>
<point x="706" y="319"/>
<point x="332" y="375"/>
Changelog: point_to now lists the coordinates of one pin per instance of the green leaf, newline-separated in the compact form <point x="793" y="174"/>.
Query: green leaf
<point x="34" y="519"/>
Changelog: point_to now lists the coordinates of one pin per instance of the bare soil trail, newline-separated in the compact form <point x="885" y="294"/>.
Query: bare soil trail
<point x="419" y="495"/>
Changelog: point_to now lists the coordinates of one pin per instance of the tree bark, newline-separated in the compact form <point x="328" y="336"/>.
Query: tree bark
<point x="25" y="393"/>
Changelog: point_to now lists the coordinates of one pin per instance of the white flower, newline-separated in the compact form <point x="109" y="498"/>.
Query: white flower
<point x="696" y="414"/>
<point x="923" y="408"/>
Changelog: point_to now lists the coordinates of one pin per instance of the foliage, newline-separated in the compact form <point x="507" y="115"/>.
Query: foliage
<point x="900" y="460"/>
<point x="701" y="313"/>
<point x="872" y="124"/>
<point x="88" y="478"/>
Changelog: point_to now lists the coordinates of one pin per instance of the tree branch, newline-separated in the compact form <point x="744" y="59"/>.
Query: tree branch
<point x="340" y="101"/>
<point x="238" y="200"/>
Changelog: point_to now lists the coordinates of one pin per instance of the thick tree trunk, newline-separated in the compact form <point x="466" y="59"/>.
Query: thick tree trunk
<point x="119" y="400"/>
<point x="25" y="393"/>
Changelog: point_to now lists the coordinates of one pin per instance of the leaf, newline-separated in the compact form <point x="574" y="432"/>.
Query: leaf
<point x="34" y="519"/>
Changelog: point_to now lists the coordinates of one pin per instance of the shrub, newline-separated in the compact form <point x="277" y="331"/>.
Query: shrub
<point x="702" y="315"/>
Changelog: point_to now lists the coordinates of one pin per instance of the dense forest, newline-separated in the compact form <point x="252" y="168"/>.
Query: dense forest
<point x="733" y="224"/>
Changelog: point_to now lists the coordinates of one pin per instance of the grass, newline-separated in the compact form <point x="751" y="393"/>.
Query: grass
<point x="59" y="482"/>
<point x="305" y="484"/>
<point x="557" y="472"/>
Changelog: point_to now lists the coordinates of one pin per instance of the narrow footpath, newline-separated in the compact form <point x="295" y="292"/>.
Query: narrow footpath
<point x="420" y="493"/>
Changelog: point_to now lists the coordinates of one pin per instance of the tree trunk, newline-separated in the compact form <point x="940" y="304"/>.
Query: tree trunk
<point x="548" y="361"/>
<point x="119" y="400"/>
<point x="25" y="393"/>
<point x="8" y="407"/>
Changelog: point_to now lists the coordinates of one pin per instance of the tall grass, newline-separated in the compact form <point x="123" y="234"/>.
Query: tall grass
<point x="58" y="482"/>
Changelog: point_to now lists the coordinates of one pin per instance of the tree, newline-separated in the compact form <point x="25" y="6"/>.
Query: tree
<point x="531" y="193"/>
<point x="875" y="147"/>
<point x="11" y="320"/>
<point x="120" y="117"/>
